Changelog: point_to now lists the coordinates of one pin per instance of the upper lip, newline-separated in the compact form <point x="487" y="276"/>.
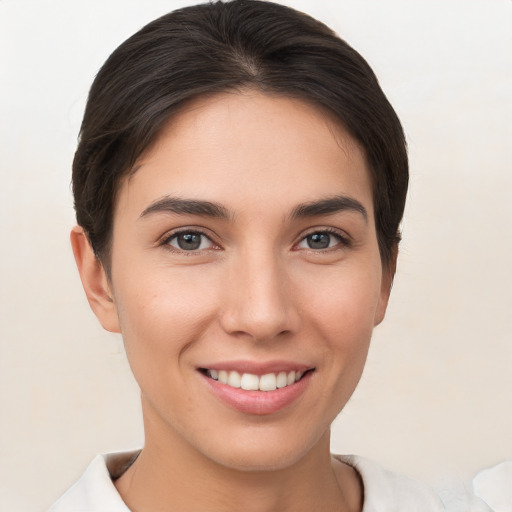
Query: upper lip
<point x="258" y="367"/>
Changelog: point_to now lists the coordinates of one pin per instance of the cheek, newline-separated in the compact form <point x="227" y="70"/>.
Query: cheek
<point x="161" y="314"/>
<point x="342" y="312"/>
<point x="344" y="302"/>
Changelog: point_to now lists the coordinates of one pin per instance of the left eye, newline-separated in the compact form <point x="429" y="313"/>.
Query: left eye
<point x="320" y="240"/>
<point x="189" y="241"/>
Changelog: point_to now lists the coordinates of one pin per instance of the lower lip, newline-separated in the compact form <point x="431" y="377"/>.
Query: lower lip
<point x="258" y="402"/>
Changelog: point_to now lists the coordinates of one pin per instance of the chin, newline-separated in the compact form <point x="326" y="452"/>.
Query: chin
<point x="268" y="452"/>
<point x="259" y="460"/>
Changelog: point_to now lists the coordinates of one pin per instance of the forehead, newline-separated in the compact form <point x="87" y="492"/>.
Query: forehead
<point x="249" y="146"/>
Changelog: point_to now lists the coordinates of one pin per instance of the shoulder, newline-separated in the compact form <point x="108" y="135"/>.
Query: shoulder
<point x="387" y="491"/>
<point x="384" y="490"/>
<point x="95" y="490"/>
<point x="494" y="485"/>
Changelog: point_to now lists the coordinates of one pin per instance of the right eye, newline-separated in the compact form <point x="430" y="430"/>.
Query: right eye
<point x="189" y="241"/>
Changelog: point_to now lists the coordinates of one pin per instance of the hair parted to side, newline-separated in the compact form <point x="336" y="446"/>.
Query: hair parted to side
<point x="220" y="46"/>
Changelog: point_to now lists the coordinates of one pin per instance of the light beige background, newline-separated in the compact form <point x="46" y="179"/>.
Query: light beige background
<point x="436" y="397"/>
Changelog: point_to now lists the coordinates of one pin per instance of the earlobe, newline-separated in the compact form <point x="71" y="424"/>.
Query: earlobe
<point x="383" y="304"/>
<point x="94" y="280"/>
<point x="388" y="274"/>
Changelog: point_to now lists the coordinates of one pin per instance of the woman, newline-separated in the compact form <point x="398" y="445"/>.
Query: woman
<point x="239" y="184"/>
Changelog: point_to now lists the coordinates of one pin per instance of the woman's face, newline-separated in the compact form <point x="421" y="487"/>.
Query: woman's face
<point x="244" y="250"/>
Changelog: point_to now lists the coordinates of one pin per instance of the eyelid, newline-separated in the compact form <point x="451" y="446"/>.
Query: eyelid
<point x="345" y="240"/>
<point x="165" y="239"/>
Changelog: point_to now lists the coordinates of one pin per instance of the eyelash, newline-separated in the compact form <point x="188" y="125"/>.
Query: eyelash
<point x="167" y="239"/>
<point x="343" y="241"/>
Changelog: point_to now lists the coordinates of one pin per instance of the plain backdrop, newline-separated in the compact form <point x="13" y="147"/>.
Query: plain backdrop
<point x="435" y="401"/>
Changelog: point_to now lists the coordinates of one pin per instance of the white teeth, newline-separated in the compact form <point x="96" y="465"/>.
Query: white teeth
<point x="282" y="380"/>
<point x="268" y="382"/>
<point x="251" y="382"/>
<point x="234" y="379"/>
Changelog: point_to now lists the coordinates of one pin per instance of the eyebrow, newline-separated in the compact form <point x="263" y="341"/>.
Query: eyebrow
<point x="169" y="204"/>
<point x="329" y="206"/>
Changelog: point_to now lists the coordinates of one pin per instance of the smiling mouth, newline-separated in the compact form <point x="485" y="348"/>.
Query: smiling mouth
<point x="253" y="382"/>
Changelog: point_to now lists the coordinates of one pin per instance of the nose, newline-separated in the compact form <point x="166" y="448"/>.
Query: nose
<point x="258" y="300"/>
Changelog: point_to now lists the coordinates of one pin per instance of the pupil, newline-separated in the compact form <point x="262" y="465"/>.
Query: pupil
<point x="319" y="241"/>
<point x="189" y="241"/>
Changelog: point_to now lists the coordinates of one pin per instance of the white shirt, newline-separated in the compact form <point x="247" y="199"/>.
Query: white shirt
<point x="383" y="491"/>
<point x="494" y="486"/>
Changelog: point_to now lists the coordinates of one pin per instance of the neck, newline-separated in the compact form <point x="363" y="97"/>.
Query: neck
<point x="171" y="475"/>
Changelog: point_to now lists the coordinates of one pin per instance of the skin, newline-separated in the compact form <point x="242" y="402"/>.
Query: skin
<point x="255" y="290"/>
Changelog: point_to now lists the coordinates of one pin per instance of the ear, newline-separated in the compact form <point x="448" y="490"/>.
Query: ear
<point x="388" y="274"/>
<point x="94" y="280"/>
